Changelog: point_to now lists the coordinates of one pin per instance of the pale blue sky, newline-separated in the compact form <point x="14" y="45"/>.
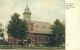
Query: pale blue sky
<point x="42" y="10"/>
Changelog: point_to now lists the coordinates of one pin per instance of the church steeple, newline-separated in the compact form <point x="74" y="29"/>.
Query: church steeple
<point x="27" y="10"/>
<point x="27" y="13"/>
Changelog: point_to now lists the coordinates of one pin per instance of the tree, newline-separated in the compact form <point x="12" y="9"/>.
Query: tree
<point x="1" y="30"/>
<point x="58" y="33"/>
<point x="17" y="27"/>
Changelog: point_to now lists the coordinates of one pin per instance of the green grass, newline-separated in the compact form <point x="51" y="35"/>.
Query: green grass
<point x="24" y="47"/>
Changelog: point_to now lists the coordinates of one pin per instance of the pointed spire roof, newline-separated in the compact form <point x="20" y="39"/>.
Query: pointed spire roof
<point x="27" y="10"/>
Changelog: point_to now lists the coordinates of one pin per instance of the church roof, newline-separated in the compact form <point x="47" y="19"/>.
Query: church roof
<point x="40" y="27"/>
<point x="40" y="22"/>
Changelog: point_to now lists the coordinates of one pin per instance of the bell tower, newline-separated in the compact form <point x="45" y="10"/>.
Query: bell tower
<point x="27" y="14"/>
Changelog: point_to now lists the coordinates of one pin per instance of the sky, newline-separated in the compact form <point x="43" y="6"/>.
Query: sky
<point x="42" y="10"/>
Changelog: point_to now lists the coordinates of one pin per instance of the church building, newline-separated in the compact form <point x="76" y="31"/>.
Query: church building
<point x="38" y="31"/>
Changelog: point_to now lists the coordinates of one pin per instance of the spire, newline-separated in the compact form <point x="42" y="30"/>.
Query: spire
<point x="27" y="10"/>
<point x="26" y="3"/>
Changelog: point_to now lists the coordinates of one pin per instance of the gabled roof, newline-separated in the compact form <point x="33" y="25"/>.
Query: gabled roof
<point x="38" y="27"/>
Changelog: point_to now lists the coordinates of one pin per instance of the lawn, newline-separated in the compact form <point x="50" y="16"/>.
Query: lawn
<point x="30" y="48"/>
